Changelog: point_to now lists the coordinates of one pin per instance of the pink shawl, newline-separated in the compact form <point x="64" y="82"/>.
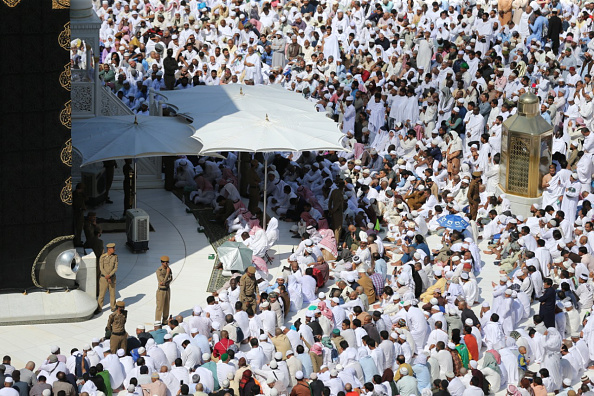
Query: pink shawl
<point x="310" y="221"/>
<point x="325" y="310"/>
<point x="228" y="175"/>
<point x="328" y="241"/>
<point x="203" y="184"/>
<point x="358" y="150"/>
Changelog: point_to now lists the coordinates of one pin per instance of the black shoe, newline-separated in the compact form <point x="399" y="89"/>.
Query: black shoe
<point x="296" y="236"/>
<point x="97" y="311"/>
<point x="109" y="201"/>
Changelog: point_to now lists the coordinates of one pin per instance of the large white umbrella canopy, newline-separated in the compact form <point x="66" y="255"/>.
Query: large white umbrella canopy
<point x="260" y="118"/>
<point x="109" y="138"/>
<point x="255" y="119"/>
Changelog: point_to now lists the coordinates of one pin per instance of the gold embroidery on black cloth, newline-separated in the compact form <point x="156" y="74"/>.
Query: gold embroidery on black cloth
<point x="66" y="193"/>
<point x="64" y="37"/>
<point x="66" y="115"/>
<point x="66" y="154"/>
<point x="12" y="3"/>
<point x="60" y="4"/>
<point x="66" y="78"/>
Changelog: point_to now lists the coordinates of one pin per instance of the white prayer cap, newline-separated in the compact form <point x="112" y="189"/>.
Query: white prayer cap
<point x="468" y="322"/>
<point x="407" y="303"/>
<point x="567" y="381"/>
<point x="356" y="259"/>
<point x="433" y="301"/>
<point x="437" y="272"/>
<point x="141" y="350"/>
<point x="451" y="345"/>
<point x="308" y="242"/>
<point x="321" y="295"/>
<point x="273" y="364"/>
<point x="584" y="277"/>
<point x="335" y="300"/>
<point x="455" y="258"/>
<point x="473" y="364"/>
<point x="121" y="352"/>
<point x="278" y="355"/>
<point x="140" y="327"/>
<point x="435" y="307"/>
<point x="8" y="380"/>
<point x="46" y="392"/>
<point x="576" y="334"/>
<point x="503" y="278"/>
<point x="574" y="175"/>
<point x="457" y="109"/>
<point x="54" y="349"/>
<point x="206" y="356"/>
<point x="421" y="187"/>
<point x="464" y="275"/>
<point x="167" y="337"/>
<point x="197" y="309"/>
<point x="567" y="304"/>
<point x="449" y="274"/>
<point x="486" y="304"/>
<point x="309" y="314"/>
<point x="86" y="347"/>
<point x="263" y="337"/>
<point x="265" y="304"/>
<point x="404" y="371"/>
<point x="508" y="292"/>
<point x="299" y="375"/>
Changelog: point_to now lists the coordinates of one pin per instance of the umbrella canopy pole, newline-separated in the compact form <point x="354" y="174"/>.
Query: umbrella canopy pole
<point x="134" y="192"/>
<point x="265" y="190"/>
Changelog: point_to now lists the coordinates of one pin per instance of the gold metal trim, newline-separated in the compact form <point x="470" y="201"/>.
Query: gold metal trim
<point x="66" y="154"/>
<point x="60" y="4"/>
<point x="66" y="115"/>
<point x="66" y="77"/>
<point x="64" y="37"/>
<point x="66" y="193"/>
<point x="12" y="3"/>
<point x="53" y="241"/>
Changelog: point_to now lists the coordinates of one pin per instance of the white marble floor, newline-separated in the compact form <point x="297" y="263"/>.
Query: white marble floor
<point x="175" y="235"/>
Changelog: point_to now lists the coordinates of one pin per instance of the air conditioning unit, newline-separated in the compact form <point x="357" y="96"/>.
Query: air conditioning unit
<point x="137" y="230"/>
<point x="94" y="182"/>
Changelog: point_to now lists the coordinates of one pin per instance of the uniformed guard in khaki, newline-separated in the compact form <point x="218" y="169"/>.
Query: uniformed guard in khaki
<point x="116" y="324"/>
<point x="248" y="289"/>
<point x="164" y="277"/>
<point x="108" y="265"/>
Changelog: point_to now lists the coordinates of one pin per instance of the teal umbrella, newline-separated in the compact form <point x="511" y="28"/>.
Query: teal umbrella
<point x="235" y="256"/>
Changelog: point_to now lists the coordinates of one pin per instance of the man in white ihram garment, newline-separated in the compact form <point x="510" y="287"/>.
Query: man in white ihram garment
<point x="552" y="356"/>
<point x="417" y="324"/>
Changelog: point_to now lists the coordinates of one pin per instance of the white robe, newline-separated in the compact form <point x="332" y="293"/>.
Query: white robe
<point x="552" y="356"/>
